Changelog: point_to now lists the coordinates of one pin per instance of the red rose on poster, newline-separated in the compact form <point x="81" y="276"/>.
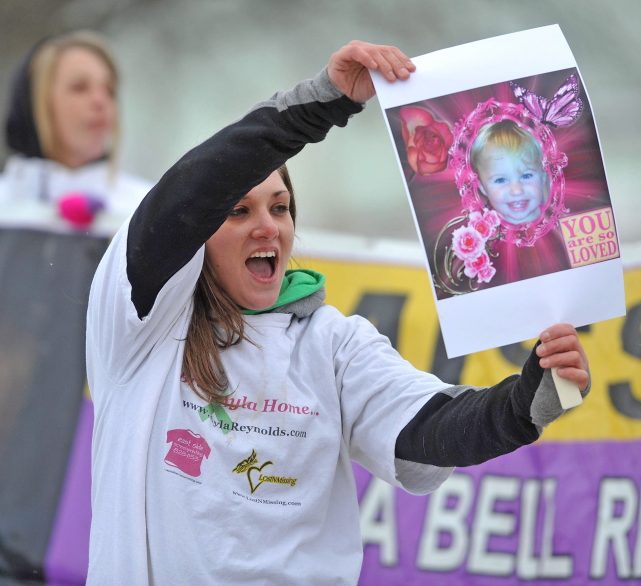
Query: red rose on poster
<point x="427" y="140"/>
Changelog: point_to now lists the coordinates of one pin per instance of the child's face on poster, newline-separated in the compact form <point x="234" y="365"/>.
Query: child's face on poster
<point x="516" y="187"/>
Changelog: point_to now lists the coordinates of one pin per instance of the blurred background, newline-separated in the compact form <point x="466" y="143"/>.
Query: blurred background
<point x="190" y="67"/>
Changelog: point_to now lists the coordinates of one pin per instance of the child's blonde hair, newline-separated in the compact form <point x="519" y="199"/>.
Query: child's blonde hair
<point x="509" y="136"/>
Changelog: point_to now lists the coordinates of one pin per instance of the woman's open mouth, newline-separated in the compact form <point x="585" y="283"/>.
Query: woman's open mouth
<point x="262" y="265"/>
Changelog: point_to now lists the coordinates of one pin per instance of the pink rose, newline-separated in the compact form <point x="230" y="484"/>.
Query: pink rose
<point x="467" y="243"/>
<point x="481" y="267"/>
<point x="482" y="227"/>
<point x="427" y="140"/>
<point x="485" y="222"/>
<point x="474" y="265"/>
<point x="486" y="273"/>
<point x="492" y="217"/>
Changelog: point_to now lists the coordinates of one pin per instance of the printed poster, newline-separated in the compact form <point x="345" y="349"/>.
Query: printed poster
<point x="500" y="156"/>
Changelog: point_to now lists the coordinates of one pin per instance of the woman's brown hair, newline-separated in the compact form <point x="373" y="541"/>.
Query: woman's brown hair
<point x="216" y="324"/>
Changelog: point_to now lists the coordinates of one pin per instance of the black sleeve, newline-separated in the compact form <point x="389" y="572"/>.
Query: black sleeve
<point x="193" y="198"/>
<point x="464" y="426"/>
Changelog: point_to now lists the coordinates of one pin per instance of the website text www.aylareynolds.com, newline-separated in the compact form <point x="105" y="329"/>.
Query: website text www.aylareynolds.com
<point x="268" y="501"/>
<point x="227" y="425"/>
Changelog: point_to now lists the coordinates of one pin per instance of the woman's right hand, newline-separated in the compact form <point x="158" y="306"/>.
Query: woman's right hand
<point x="348" y="68"/>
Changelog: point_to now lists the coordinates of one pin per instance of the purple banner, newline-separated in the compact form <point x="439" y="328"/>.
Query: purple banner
<point x="68" y="554"/>
<point x="550" y="513"/>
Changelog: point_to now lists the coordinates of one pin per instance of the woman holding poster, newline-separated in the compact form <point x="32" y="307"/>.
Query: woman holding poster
<point x="230" y="400"/>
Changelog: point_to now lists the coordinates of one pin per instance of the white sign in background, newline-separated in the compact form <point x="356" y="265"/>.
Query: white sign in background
<point x="521" y="310"/>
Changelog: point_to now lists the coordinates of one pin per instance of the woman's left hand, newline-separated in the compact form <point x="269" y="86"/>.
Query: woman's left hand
<point x="560" y="348"/>
<point x="348" y="68"/>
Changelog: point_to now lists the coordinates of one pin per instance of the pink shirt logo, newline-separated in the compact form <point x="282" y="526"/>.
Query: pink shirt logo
<point x="187" y="451"/>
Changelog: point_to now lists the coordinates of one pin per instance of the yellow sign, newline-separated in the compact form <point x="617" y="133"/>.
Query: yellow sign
<point x="399" y="302"/>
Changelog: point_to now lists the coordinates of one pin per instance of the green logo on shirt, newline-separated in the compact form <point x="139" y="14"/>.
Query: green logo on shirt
<point x="255" y="476"/>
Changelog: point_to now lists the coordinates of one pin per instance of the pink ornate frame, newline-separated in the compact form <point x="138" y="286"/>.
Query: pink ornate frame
<point x="467" y="181"/>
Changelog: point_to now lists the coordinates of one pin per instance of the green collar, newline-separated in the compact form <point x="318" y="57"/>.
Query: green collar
<point x="297" y="284"/>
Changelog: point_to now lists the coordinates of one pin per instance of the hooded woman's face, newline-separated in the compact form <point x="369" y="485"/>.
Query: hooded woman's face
<point x="82" y="106"/>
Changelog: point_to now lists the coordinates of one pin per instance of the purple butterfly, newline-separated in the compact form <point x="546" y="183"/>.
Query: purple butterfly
<point x="563" y="109"/>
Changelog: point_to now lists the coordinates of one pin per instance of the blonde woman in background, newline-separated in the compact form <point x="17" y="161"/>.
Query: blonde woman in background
<point x="62" y="197"/>
<point x="62" y="126"/>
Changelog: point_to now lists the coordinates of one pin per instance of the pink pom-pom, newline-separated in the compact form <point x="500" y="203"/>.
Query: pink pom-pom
<point x="79" y="209"/>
